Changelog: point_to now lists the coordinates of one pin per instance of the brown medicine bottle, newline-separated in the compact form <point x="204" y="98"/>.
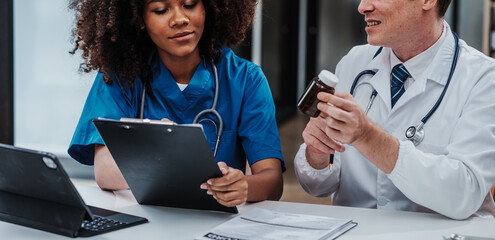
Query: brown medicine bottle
<point x="325" y="82"/>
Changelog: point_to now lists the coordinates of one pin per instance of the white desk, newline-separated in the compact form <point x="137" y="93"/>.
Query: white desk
<point x="174" y="223"/>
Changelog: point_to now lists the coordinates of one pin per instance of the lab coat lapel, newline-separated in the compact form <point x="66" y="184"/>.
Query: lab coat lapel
<point x="381" y="80"/>
<point x="439" y="70"/>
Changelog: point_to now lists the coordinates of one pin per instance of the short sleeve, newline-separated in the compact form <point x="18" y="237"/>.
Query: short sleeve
<point x="105" y="101"/>
<point x="257" y="127"/>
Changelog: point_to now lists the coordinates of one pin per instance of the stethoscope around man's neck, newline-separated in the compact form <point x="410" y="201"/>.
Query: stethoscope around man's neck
<point x="415" y="134"/>
<point x="212" y="110"/>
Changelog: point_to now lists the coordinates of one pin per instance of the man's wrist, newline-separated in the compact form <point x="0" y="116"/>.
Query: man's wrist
<point x="379" y="147"/>
<point x="366" y="135"/>
<point x="317" y="159"/>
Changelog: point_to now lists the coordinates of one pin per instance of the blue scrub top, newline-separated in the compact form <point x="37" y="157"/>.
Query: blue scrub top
<point x="244" y="102"/>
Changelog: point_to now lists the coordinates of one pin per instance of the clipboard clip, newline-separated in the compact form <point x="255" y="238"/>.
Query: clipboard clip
<point x="146" y="120"/>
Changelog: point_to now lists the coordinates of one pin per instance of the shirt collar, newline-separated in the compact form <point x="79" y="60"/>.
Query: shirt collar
<point x="381" y="64"/>
<point x="418" y="65"/>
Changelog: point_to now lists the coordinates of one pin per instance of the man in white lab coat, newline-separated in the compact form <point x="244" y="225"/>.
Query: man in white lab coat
<point x="375" y="166"/>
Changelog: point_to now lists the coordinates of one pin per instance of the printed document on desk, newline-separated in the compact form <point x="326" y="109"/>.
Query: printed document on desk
<point x="267" y="225"/>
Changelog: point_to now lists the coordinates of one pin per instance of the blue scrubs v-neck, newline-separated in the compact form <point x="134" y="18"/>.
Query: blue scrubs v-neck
<point x="165" y="87"/>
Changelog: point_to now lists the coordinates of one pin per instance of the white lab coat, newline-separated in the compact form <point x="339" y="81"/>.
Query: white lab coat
<point x="452" y="170"/>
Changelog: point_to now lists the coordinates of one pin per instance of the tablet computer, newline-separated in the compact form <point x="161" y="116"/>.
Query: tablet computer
<point x="163" y="164"/>
<point x="35" y="191"/>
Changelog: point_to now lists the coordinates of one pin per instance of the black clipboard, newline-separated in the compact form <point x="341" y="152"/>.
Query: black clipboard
<point x="164" y="164"/>
<point x="36" y="192"/>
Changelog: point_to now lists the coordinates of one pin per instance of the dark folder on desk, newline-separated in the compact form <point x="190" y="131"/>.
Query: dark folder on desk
<point x="163" y="164"/>
<point x="35" y="191"/>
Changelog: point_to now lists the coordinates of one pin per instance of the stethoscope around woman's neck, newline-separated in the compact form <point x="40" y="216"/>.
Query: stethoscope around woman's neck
<point x="415" y="134"/>
<point x="212" y="110"/>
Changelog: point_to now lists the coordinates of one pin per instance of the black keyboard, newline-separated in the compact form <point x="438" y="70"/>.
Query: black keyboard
<point x="100" y="224"/>
<point x="105" y="220"/>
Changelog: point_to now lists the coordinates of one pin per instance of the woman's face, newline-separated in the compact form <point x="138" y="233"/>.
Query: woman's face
<point x="175" y="26"/>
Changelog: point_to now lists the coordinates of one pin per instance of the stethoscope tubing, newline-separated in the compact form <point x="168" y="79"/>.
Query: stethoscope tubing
<point x="213" y="109"/>
<point x="359" y="76"/>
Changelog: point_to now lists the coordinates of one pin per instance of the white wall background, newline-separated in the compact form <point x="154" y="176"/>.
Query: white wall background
<point x="49" y="91"/>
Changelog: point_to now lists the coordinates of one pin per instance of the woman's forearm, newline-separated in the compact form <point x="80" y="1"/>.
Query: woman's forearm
<point x="107" y="174"/>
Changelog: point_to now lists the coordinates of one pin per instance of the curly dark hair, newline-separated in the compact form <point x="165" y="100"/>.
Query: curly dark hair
<point x="109" y="34"/>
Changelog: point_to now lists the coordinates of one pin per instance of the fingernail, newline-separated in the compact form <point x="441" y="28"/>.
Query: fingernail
<point x="203" y="186"/>
<point x="209" y="192"/>
<point x="209" y="182"/>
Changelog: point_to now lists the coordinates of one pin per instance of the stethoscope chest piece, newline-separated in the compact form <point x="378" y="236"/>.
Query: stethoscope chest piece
<point x="415" y="134"/>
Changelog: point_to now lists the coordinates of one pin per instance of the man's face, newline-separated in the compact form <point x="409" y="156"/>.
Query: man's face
<point x="391" y="23"/>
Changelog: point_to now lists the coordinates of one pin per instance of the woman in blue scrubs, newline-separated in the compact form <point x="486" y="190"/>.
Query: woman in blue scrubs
<point x="166" y="46"/>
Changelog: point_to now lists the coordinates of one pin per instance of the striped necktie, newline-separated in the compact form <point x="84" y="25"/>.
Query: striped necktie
<point x="399" y="76"/>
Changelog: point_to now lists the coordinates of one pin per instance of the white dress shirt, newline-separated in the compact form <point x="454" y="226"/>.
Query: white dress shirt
<point x="417" y="65"/>
<point x="453" y="169"/>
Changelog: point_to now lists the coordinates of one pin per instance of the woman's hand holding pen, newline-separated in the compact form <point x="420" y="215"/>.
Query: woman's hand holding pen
<point x="229" y="190"/>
